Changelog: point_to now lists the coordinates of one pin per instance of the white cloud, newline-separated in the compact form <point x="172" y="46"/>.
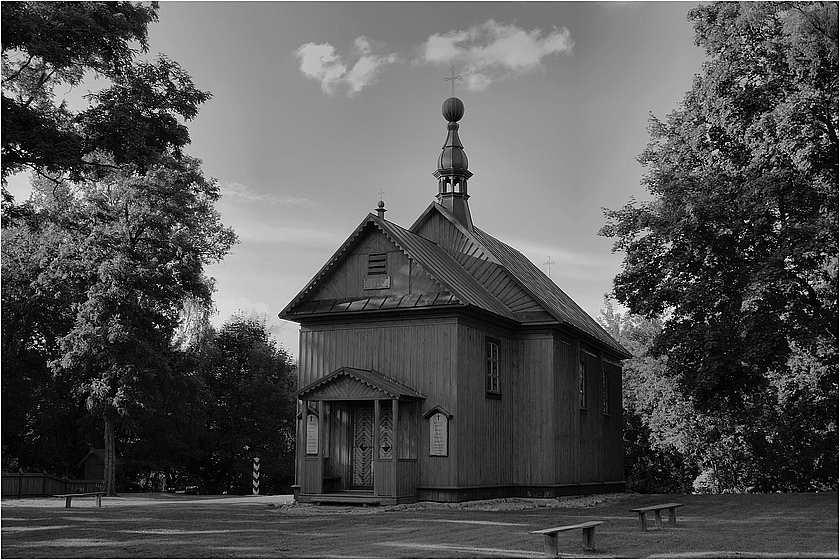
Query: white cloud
<point x="322" y="63"/>
<point x="493" y="51"/>
<point x="244" y="192"/>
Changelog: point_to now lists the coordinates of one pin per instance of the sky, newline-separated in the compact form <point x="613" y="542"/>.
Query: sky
<point x="318" y="107"/>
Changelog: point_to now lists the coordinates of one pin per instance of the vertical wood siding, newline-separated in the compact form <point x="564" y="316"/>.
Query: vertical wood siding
<point x="591" y="423"/>
<point x="418" y="354"/>
<point x="537" y="432"/>
<point x="347" y="279"/>
<point x="613" y="437"/>
<point x="485" y="426"/>
<point x="567" y="412"/>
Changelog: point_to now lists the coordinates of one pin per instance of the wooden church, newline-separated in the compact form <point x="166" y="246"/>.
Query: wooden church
<point x="438" y="363"/>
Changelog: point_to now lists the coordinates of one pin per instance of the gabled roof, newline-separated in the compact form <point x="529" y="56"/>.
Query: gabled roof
<point x="364" y="383"/>
<point x="435" y="261"/>
<point x="533" y="281"/>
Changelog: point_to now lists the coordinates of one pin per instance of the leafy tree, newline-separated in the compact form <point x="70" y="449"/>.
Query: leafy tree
<point x="738" y="248"/>
<point x="124" y="253"/>
<point x="660" y="432"/>
<point x="251" y="414"/>
<point x="53" y="46"/>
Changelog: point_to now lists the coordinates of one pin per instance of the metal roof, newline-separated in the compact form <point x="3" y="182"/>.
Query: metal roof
<point x="545" y="291"/>
<point x="442" y="268"/>
<point x="374" y="379"/>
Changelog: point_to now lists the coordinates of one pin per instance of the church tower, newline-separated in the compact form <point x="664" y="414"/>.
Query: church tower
<point x="452" y="172"/>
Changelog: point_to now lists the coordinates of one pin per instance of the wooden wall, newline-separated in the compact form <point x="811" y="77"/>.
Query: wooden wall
<point x="567" y="412"/>
<point x="486" y="426"/>
<point x="537" y="430"/>
<point x="420" y="354"/>
<point x="347" y="280"/>
<point x="591" y="422"/>
<point x="534" y="434"/>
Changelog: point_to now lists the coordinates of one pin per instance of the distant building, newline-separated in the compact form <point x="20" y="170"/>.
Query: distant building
<point x="438" y="363"/>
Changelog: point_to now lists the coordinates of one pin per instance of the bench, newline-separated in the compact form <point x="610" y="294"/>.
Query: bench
<point x="550" y="536"/>
<point x="69" y="497"/>
<point x="641" y="511"/>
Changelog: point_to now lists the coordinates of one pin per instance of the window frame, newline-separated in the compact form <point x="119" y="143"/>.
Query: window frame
<point x="582" y="385"/>
<point x="492" y="367"/>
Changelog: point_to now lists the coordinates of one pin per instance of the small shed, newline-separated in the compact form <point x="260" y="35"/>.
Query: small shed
<point x="94" y="465"/>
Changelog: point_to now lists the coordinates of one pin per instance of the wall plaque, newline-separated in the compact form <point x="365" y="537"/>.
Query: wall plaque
<point x="377" y="282"/>
<point x="438" y="435"/>
<point x="311" y="434"/>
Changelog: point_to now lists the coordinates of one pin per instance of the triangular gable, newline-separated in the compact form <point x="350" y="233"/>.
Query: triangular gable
<point x="348" y="383"/>
<point x="437" y="264"/>
<point x="529" y="278"/>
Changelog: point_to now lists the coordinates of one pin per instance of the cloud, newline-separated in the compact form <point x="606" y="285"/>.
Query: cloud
<point x="494" y="51"/>
<point x="246" y="193"/>
<point x="321" y="62"/>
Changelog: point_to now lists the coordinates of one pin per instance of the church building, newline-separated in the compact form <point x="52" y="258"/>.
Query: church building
<point x="437" y="363"/>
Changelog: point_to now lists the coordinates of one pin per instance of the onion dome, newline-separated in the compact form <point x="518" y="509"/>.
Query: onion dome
<point x="452" y="172"/>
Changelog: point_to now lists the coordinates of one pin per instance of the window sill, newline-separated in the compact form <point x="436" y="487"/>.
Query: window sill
<point x="493" y="395"/>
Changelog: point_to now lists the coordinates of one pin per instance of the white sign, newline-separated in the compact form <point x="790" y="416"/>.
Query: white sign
<point x="311" y="434"/>
<point x="439" y="435"/>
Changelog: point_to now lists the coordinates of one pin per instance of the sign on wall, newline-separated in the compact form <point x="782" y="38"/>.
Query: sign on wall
<point x="311" y="434"/>
<point x="438" y="435"/>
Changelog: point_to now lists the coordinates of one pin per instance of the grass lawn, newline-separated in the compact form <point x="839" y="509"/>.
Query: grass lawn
<point x="164" y="526"/>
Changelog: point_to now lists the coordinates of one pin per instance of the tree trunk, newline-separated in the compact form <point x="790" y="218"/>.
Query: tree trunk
<point x="110" y="454"/>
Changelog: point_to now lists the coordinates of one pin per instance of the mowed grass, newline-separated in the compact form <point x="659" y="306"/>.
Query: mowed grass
<point x="162" y="526"/>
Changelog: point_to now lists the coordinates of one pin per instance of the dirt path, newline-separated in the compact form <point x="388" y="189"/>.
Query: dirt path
<point x="165" y="526"/>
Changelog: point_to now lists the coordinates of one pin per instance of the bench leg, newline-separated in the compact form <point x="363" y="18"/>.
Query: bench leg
<point x="658" y="518"/>
<point x="672" y="517"/>
<point x="550" y="544"/>
<point x="67" y="501"/>
<point x="642" y="522"/>
<point x="589" y="538"/>
<point x="98" y="500"/>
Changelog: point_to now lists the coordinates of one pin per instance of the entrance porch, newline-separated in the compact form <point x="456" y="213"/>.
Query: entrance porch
<point x="357" y="439"/>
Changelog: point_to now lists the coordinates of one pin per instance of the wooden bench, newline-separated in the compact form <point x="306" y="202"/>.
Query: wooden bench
<point x="550" y="536"/>
<point x="69" y="497"/>
<point x="657" y="513"/>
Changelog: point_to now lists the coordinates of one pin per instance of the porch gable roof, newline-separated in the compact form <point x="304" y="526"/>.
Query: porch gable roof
<point x="348" y="383"/>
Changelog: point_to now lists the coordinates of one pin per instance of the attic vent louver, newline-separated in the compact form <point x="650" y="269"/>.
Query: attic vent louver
<point x="377" y="263"/>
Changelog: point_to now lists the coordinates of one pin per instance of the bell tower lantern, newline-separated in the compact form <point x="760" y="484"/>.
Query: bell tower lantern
<point x="452" y="172"/>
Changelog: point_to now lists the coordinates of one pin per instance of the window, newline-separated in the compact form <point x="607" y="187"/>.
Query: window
<point x="605" y="386"/>
<point x="491" y="361"/>
<point x="582" y="372"/>
<point x="377" y="263"/>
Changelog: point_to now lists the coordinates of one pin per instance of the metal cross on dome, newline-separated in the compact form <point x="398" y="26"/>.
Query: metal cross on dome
<point x="452" y="79"/>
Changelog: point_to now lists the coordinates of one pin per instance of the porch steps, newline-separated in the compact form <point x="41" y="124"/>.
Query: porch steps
<point x="344" y="498"/>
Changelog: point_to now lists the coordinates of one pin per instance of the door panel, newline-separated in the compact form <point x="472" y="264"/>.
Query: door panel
<point x="363" y="446"/>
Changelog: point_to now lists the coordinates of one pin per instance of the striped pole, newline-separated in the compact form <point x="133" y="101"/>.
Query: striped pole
<point x="256" y="476"/>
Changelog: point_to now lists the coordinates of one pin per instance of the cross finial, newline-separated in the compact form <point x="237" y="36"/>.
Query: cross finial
<point x="381" y="194"/>
<point x="452" y="79"/>
<point x="549" y="262"/>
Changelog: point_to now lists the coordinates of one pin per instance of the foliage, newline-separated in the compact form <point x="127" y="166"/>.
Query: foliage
<point x="116" y="259"/>
<point x="737" y="252"/>
<point x="250" y="412"/>
<point x="136" y="117"/>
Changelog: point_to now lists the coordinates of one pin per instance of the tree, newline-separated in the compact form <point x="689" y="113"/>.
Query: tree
<point x="660" y="429"/>
<point x="738" y="248"/>
<point x="131" y="121"/>
<point x="251" y="412"/>
<point x="125" y="252"/>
